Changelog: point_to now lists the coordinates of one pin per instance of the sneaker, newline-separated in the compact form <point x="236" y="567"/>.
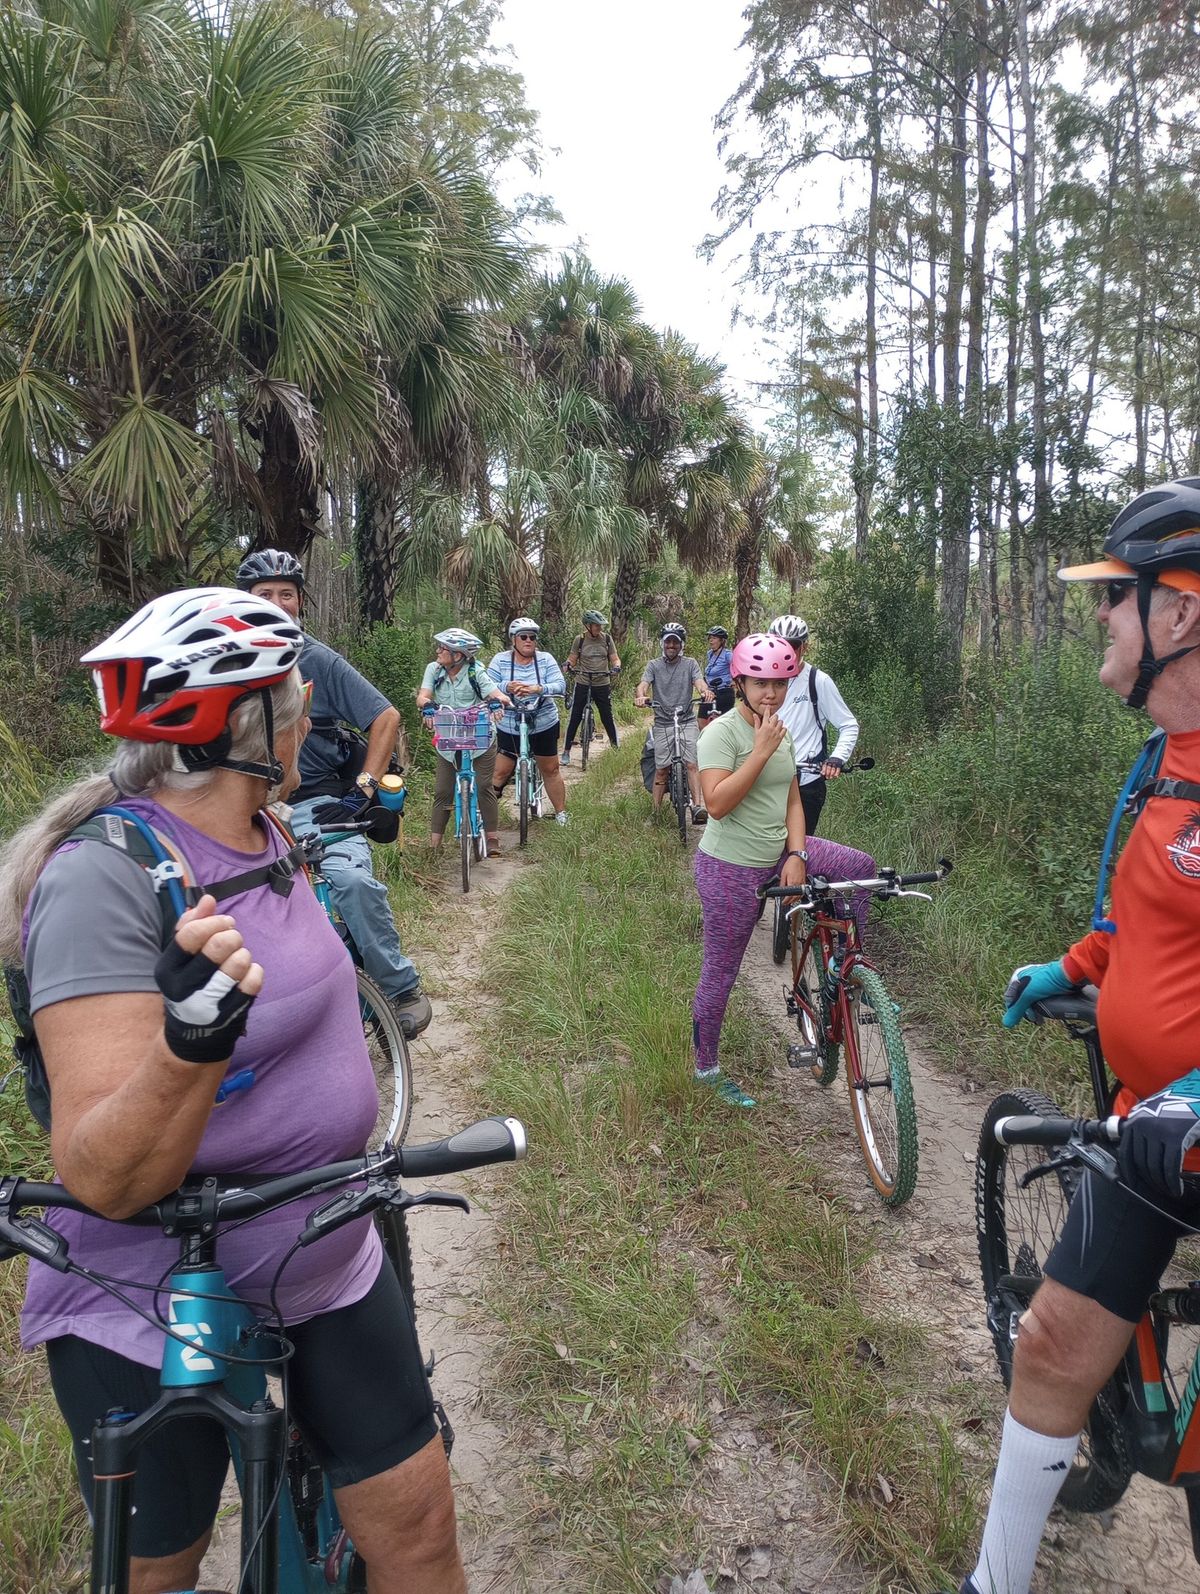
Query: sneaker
<point x="414" y="1012"/>
<point x="561" y="819"/>
<point x="699" y="815"/>
<point x="733" y="1095"/>
<point x="565" y="758"/>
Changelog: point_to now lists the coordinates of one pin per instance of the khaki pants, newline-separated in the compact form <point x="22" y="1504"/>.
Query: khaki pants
<point x="443" y="792"/>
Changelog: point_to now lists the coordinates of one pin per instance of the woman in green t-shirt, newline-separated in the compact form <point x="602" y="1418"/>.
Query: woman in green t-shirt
<point x="455" y="679"/>
<point x="755" y="831"/>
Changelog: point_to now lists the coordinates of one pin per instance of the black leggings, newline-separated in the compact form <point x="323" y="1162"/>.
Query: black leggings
<point x="812" y="795"/>
<point x="602" y="697"/>
<point x="357" y="1388"/>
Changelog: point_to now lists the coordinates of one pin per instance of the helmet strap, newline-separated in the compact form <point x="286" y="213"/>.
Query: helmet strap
<point x="1149" y="667"/>
<point x="215" y="754"/>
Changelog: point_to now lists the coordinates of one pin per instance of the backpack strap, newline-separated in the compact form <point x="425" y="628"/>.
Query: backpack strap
<point x="812" y="697"/>
<point x="1132" y="798"/>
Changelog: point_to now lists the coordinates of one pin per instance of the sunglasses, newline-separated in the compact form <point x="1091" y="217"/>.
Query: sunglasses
<point x="525" y="636"/>
<point x="1116" y="591"/>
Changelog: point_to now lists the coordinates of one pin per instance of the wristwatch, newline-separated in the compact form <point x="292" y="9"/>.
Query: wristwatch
<point x="798" y="852"/>
<point x="367" y="784"/>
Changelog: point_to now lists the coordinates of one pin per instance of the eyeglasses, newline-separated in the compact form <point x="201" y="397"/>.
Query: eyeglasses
<point x="1117" y="591"/>
<point x="525" y="636"/>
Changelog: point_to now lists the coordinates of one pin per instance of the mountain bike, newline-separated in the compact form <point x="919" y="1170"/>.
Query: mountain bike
<point x="219" y="1349"/>
<point x="464" y="732"/>
<point x="587" y="725"/>
<point x="839" y="1002"/>
<point x="678" y="790"/>
<point x="1031" y="1158"/>
<point x="781" y="934"/>
<point x="527" y="774"/>
<point x="386" y="1043"/>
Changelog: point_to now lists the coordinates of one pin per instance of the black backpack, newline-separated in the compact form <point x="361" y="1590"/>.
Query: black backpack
<point x="171" y="881"/>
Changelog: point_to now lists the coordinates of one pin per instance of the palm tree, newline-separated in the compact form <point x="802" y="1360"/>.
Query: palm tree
<point x="774" y="529"/>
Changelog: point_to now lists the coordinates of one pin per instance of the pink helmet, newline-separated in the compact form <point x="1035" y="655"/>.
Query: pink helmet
<point x="767" y="658"/>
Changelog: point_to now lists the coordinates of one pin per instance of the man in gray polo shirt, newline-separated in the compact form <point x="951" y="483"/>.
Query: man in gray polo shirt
<point x="340" y="695"/>
<point x="671" y="680"/>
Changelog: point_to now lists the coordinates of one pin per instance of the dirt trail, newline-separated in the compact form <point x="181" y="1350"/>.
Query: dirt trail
<point x="929" y="1269"/>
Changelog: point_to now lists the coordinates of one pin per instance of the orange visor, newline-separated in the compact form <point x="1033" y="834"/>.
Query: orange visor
<point x="1115" y="569"/>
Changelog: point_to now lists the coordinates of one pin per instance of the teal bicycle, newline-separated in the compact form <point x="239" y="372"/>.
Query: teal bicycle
<point x="218" y="1351"/>
<point x="527" y="775"/>
<point x="386" y="1043"/>
<point x="465" y="732"/>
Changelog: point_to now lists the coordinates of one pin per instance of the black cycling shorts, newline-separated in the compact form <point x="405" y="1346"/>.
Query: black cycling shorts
<point x="356" y="1386"/>
<point x="542" y="744"/>
<point x="1114" y="1249"/>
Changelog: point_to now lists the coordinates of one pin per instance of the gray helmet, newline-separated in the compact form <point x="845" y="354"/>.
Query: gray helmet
<point x="269" y="564"/>
<point x="718" y="630"/>
<point x="523" y="623"/>
<point x="593" y="617"/>
<point x="790" y="627"/>
<point x="673" y="632"/>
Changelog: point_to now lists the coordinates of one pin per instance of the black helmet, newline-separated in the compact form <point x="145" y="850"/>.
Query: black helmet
<point x="1156" y="532"/>
<point x="718" y="630"/>
<point x="269" y="564"/>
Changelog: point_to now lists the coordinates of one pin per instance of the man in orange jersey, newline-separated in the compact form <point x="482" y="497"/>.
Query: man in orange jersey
<point x="1113" y="1246"/>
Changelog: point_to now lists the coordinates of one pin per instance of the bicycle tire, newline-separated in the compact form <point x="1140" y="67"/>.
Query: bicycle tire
<point x="390" y="1062"/>
<point x="881" y="1093"/>
<point x="1016" y="1228"/>
<point x="587" y="730"/>
<point x="811" y="1018"/>
<point x="464" y="832"/>
<point x="393" y="1231"/>
<point x="679" y="795"/>
<point x="781" y="932"/>
<point x="523" y="800"/>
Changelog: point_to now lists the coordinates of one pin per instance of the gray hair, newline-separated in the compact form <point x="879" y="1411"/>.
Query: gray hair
<point x="139" y="769"/>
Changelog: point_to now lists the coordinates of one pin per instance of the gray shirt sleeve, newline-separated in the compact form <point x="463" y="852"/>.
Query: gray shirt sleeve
<point x="95" y="927"/>
<point x="347" y="695"/>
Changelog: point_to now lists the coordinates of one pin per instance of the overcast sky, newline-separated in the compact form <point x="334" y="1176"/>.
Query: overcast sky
<point x="626" y="93"/>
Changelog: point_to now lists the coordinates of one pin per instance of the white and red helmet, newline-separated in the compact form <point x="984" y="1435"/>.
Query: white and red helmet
<point x="766" y="658"/>
<point x="175" y="670"/>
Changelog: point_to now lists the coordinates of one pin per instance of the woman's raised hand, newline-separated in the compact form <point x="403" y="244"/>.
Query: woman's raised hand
<point x="768" y="736"/>
<point x="208" y="980"/>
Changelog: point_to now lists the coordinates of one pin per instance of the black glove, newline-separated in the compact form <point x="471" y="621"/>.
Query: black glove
<point x="1157" y="1135"/>
<point x="206" y="1011"/>
<point x="341" y="808"/>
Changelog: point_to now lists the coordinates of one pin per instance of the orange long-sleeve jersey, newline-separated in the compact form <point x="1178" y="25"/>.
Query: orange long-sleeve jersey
<point x="1149" y="971"/>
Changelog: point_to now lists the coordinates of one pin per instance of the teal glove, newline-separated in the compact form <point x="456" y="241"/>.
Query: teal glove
<point x="1029" y="984"/>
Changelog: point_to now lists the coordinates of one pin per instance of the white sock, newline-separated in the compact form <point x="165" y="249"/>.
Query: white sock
<point x="1029" y="1474"/>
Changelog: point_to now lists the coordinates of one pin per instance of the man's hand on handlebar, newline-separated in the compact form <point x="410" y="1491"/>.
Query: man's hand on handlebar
<point x="339" y="809"/>
<point x="1031" y="983"/>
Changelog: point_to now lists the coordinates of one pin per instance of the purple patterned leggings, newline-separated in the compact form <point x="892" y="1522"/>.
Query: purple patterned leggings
<point x="730" y="908"/>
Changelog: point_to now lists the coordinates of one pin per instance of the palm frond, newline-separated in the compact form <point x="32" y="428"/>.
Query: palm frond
<point x="143" y="471"/>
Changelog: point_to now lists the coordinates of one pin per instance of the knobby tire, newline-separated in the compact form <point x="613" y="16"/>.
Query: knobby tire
<point x="390" y="1062"/>
<point x="811" y="1018"/>
<point x="781" y="932"/>
<point x="881" y="1092"/>
<point x="1016" y="1229"/>
<point x="679" y="795"/>
<point x="588" y="729"/>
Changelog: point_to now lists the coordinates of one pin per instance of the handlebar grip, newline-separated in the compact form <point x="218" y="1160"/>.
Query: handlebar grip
<point x="1031" y="1130"/>
<point x="491" y="1140"/>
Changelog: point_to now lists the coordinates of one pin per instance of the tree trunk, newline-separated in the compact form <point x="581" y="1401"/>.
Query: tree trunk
<point x="556" y="581"/>
<point x="293" y="514"/>
<point x="956" y="481"/>
<point x="627" y="589"/>
<point x="1012" y="370"/>
<point x="377" y="548"/>
<point x="1037" y="348"/>
<point x="747" y="554"/>
<point x="860" y="472"/>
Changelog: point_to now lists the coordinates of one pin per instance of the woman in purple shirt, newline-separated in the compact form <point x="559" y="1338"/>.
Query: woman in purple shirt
<point x="202" y="690"/>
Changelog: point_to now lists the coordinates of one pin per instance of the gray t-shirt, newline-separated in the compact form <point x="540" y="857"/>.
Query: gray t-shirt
<point x="671" y="686"/>
<point x="339" y="694"/>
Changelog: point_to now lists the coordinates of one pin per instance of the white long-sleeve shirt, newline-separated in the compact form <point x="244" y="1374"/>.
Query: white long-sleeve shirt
<point x="797" y="714"/>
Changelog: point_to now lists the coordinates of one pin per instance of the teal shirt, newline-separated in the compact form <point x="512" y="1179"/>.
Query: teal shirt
<point x="755" y="832"/>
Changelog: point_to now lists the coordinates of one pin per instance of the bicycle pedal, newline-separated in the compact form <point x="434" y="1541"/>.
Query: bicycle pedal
<point x="801" y="1056"/>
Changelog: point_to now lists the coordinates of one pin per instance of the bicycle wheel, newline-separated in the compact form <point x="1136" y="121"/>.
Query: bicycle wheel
<point x="679" y="798"/>
<point x="1016" y="1227"/>
<point x="807" y="974"/>
<point x="781" y="932"/>
<point x="585" y="734"/>
<point x="393" y="1230"/>
<point x="464" y="831"/>
<point x="881" y="1091"/>
<point x="523" y="800"/>
<point x="390" y="1062"/>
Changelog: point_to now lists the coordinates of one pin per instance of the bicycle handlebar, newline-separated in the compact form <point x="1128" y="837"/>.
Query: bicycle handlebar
<point x="814" y="766"/>
<point x="888" y="884"/>
<point x="490" y="1141"/>
<point x="1027" y="1129"/>
<point x="1077" y="1007"/>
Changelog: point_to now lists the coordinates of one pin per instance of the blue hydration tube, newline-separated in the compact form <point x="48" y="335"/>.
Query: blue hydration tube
<point x="1145" y="764"/>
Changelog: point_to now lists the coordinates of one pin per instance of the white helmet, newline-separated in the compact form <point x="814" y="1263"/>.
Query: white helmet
<point x="790" y="627"/>
<point x="458" y="640"/>
<point x="523" y="623"/>
<point x="174" y="671"/>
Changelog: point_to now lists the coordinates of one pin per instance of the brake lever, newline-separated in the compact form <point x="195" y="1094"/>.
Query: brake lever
<point x="401" y="1201"/>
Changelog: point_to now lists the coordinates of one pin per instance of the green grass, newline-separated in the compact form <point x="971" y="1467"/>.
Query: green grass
<point x="652" y="1232"/>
